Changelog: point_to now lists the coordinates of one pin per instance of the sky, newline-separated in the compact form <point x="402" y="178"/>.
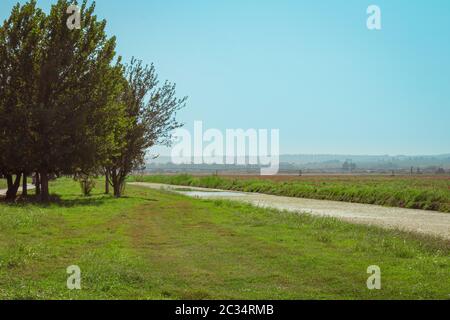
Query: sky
<point x="311" y="69"/>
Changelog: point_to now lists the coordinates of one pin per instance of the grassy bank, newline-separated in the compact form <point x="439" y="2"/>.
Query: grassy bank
<point x="156" y="245"/>
<point x="416" y="192"/>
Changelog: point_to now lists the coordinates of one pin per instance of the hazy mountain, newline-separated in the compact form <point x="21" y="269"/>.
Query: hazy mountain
<point x="330" y="162"/>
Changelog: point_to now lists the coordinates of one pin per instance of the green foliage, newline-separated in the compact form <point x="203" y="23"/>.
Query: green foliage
<point x="20" y="35"/>
<point x="87" y="183"/>
<point x="73" y="110"/>
<point x="150" y="112"/>
<point x="58" y="88"/>
<point x="68" y="103"/>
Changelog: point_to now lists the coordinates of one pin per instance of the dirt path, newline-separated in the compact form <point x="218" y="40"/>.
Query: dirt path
<point x="3" y="191"/>
<point x="421" y="221"/>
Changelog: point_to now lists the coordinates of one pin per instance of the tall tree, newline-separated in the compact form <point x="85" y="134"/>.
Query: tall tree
<point x="66" y="105"/>
<point x="73" y="94"/>
<point x="20" y="36"/>
<point x="151" y="117"/>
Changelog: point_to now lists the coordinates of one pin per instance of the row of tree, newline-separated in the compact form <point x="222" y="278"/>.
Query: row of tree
<point x="69" y="106"/>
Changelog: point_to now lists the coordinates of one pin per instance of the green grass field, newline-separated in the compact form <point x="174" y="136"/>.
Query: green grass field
<point x="157" y="245"/>
<point x="428" y="192"/>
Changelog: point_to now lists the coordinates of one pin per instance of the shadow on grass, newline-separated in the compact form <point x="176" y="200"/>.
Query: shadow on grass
<point x="78" y="201"/>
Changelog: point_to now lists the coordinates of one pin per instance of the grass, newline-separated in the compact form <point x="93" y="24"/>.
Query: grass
<point x="157" y="245"/>
<point x="153" y="244"/>
<point x="428" y="193"/>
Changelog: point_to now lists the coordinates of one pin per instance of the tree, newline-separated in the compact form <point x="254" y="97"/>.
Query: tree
<point x="59" y="97"/>
<point x="150" y="119"/>
<point x="67" y="105"/>
<point x="73" y="94"/>
<point x="20" y="35"/>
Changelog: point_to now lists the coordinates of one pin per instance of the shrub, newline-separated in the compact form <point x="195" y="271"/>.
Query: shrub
<point x="87" y="183"/>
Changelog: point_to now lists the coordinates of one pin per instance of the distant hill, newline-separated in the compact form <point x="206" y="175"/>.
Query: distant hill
<point x="369" y="161"/>
<point x="325" y="163"/>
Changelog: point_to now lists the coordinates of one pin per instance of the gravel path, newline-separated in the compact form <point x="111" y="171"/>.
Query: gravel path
<point x="421" y="221"/>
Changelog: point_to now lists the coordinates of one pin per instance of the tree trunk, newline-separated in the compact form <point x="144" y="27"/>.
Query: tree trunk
<point x="9" y="180"/>
<point x="117" y="190"/>
<point x="13" y="187"/>
<point x="45" y="196"/>
<point x="117" y="183"/>
<point x="24" y="185"/>
<point x="106" y="181"/>
<point x="38" y="184"/>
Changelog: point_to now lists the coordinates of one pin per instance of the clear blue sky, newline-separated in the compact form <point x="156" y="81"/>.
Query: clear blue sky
<point x="308" y="68"/>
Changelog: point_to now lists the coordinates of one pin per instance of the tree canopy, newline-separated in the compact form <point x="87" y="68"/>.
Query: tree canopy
<point x="68" y="105"/>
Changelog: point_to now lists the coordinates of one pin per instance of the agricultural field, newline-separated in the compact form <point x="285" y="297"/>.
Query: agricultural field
<point x="415" y="192"/>
<point x="152" y="244"/>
